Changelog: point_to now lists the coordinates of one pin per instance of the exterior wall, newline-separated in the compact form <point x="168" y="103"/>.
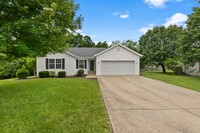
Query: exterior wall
<point x="118" y="54"/>
<point x="194" y="71"/>
<point x="70" y="63"/>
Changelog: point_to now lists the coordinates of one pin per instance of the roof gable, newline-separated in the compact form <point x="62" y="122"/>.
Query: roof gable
<point x="108" y="49"/>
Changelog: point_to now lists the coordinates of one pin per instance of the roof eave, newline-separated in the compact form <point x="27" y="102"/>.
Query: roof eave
<point x="71" y="54"/>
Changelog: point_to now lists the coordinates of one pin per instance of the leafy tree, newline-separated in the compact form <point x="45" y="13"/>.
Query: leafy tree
<point x="191" y="41"/>
<point x="102" y="45"/>
<point x="159" y="44"/>
<point x="174" y="65"/>
<point x="131" y="44"/>
<point x="9" y="68"/>
<point x="115" y="43"/>
<point x="87" y="42"/>
<point x="128" y="43"/>
<point x="80" y="41"/>
<point x="36" y="27"/>
<point x="22" y="73"/>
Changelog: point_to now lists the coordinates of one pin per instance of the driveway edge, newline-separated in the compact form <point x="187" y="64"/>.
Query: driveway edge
<point x="106" y="106"/>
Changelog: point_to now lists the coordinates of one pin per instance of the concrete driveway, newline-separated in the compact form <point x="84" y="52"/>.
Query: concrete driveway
<point x="137" y="104"/>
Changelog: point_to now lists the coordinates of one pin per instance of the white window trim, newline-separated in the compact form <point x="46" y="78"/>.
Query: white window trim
<point x="55" y="63"/>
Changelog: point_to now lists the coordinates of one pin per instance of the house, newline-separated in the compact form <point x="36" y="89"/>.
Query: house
<point x="116" y="60"/>
<point x="193" y="70"/>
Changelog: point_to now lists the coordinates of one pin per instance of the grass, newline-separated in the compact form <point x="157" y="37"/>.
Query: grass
<point x="188" y="82"/>
<point x="52" y="105"/>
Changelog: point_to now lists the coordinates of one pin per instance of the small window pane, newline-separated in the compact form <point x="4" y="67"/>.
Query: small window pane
<point x="58" y="60"/>
<point x="80" y="61"/>
<point x="58" y="66"/>
<point x="51" y="60"/>
<point x="51" y="66"/>
<point x="81" y="66"/>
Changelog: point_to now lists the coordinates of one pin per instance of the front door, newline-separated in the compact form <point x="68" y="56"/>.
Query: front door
<point x="91" y="65"/>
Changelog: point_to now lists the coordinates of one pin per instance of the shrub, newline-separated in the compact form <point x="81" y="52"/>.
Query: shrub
<point x="61" y="74"/>
<point x="80" y="72"/>
<point x="174" y="65"/>
<point x="52" y="73"/>
<point x="22" y="73"/>
<point x="44" y="74"/>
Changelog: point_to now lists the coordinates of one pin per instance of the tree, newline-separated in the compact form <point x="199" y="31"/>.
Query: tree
<point x="174" y="65"/>
<point x="115" y="43"/>
<point x="131" y="44"/>
<point x="191" y="41"/>
<point x="128" y="43"/>
<point x="9" y="68"/>
<point x="102" y="45"/>
<point x="159" y="44"/>
<point x="36" y="27"/>
<point x="80" y="41"/>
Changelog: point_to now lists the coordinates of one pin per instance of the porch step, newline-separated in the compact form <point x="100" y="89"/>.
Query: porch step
<point x="91" y="77"/>
<point x="91" y="73"/>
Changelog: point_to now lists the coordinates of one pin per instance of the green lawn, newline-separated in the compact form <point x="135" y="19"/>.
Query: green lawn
<point x="52" y="105"/>
<point x="189" y="82"/>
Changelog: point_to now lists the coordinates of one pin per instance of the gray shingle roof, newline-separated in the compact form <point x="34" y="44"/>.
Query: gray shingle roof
<point x="85" y="52"/>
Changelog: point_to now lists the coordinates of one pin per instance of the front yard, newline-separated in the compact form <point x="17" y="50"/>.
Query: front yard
<point x="188" y="82"/>
<point x="52" y="105"/>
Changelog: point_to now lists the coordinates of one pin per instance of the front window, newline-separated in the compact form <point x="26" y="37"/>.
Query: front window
<point x="81" y="64"/>
<point x="55" y="64"/>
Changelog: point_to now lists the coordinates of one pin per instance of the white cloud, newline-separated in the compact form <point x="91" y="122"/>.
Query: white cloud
<point x="93" y="36"/>
<point x="159" y="3"/>
<point x="83" y="34"/>
<point x="122" y="15"/>
<point x="145" y="29"/>
<point x="156" y="3"/>
<point x="178" y="19"/>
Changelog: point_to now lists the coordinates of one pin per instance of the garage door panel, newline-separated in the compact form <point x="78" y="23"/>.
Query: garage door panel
<point x="117" y="67"/>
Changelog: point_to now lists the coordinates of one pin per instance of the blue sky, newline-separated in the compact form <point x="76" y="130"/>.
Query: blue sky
<point x="111" y="20"/>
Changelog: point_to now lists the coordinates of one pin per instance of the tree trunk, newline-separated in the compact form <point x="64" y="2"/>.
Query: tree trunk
<point x="163" y="68"/>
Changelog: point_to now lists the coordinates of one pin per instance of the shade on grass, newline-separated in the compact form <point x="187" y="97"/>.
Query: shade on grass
<point x="52" y="105"/>
<point x="188" y="82"/>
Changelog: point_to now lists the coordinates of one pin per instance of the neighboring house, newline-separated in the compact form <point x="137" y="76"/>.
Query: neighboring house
<point x="194" y="70"/>
<point x="116" y="60"/>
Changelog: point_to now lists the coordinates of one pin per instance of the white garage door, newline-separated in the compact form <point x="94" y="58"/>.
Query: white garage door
<point x="117" y="68"/>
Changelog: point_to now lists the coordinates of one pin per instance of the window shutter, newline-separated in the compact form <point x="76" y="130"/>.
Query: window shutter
<point x="63" y="63"/>
<point x="47" y="63"/>
<point x="76" y="64"/>
<point x="85" y="64"/>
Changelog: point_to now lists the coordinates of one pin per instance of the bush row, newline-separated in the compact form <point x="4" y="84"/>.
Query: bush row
<point x="23" y="73"/>
<point x="61" y="74"/>
<point x="45" y="74"/>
